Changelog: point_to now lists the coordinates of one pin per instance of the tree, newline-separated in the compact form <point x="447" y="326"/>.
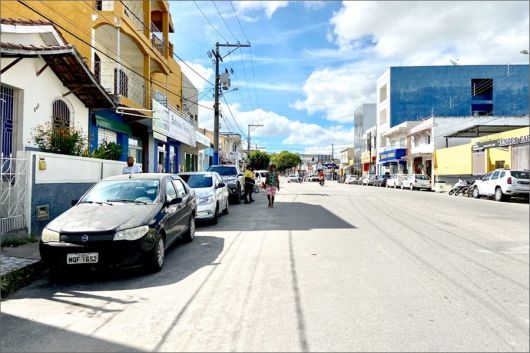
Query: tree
<point x="286" y="160"/>
<point x="259" y="159"/>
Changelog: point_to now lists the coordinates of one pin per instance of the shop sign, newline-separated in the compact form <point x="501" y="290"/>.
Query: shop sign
<point x="169" y="124"/>
<point x="501" y="142"/>
<point x="202" y="139"/>
<point x="365" y="157"/>
<point x="392" y="154"/>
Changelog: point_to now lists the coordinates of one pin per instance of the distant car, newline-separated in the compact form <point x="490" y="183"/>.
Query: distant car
<point x="123" y="221"/>
<point x="416" y="181"/>
<point x="394" y="181"/>
<point x="381" y="180"/>
<point x="294" y="178"/>
<point x="314" y="178"/>
<point x="502" y="184"/>
<point x="350" y="179"/>
<point x="211" y="194"/>
<point x="233" y="178"/>
<point x="260" y="176"/>
<point x="368" y="180"/>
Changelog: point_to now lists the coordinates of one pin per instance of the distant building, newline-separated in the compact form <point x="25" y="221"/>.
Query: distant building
<point x="364" y="119"/>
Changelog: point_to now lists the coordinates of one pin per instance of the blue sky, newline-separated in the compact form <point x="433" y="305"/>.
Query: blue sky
<point x="313" y="62"/>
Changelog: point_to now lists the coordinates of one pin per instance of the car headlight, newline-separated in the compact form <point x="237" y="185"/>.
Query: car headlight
<point x="132" y="233"/>
<point x="49" y="235"/>
<point x="206" y="200"/>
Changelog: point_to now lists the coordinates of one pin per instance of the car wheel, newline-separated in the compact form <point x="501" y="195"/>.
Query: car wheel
<point x="215" y="218"/>
<point x="156" y="257"/>
<point x="411" y="187"/>
<point x="476" y="194"/>
<point x="499" y="196"/>
<point x="225" y="211"/>
<point x="190" y="233"/>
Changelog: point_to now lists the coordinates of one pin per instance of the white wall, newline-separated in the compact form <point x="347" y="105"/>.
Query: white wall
<point x="36" y="97"/>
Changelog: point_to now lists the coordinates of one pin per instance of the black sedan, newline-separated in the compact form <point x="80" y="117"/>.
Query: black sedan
<point x="122" y="221"/>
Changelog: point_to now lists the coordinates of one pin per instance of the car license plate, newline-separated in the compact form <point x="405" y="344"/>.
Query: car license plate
<point x="82" y="258"/>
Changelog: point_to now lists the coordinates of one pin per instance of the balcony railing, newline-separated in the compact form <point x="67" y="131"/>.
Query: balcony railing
<point x="124" y="82"/>
<point x="158" y="43"/>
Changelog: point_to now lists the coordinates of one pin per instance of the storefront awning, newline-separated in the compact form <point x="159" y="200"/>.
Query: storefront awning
<point x="110" y="120"/>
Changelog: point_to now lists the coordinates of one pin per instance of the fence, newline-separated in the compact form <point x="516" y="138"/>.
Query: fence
<point x="13" y="189"/>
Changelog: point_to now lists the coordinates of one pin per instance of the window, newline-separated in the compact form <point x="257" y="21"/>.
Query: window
<point x="181" y="190"/>
<point x="502" y="175"/>
<point x="170" y="190"/>
<point x="495" y="176"/>
<point x="382" y="117"/>
<point x="499" y="164"/>
<point x="428" y="139"/>
<point x="60" y="114"/>
<point x="121" y="87"/>
<point x="136" y="149"/>
<point x="97" y="68"/>
<point x="416" y="141"/>
<point x="107" y="135"/>
<point x="382" y="94"/>
<point x="402" y="142"/>
<point x="487" y="176"/>
<point x="99" y="5"/>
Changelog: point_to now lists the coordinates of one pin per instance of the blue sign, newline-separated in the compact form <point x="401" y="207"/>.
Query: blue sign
<point x="392" y="155"/>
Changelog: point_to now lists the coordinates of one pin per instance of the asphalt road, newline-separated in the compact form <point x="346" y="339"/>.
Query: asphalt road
<point x="333" y="268"/>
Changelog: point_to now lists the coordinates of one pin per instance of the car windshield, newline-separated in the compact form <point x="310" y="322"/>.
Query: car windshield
<point x="196" y="181"/>
<point x="422" y="177"/>
<point x="143" y="191"/>
<point x="520" y="175"/>
<point x="224" y="170"/>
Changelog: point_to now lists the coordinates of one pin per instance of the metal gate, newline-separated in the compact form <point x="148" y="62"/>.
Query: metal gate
<point x="6" y="124"/>
<point x="13" y="190"/>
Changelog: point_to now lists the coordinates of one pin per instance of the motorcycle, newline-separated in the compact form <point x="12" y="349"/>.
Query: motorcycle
<point x="321" y="181"/>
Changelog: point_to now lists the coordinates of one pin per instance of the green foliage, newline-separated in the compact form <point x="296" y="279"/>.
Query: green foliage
<point x="61" y="140"/>
<point x="286" y="160"/>
<point x="106" y="150"/>
<point x="259" y="159"/>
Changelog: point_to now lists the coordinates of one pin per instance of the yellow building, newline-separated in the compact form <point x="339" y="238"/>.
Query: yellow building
<point x="508" y="149"/>
<point x="126" y="45"/>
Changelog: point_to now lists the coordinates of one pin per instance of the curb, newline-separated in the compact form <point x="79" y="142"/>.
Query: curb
<point x="21" y="277"/>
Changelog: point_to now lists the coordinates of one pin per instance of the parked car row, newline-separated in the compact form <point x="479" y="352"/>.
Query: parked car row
<point x="410" y="181"/>
<point x="132" y="219"/>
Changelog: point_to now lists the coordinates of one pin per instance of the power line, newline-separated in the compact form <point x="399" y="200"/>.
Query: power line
<point x="226" y="24"/>
<point x="208" y="20"/>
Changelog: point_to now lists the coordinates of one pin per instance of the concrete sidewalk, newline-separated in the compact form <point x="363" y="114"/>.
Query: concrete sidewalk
<point x="19" y="265"/>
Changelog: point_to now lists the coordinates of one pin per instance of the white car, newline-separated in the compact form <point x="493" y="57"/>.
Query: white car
<point x="350" y="179"/>
<point x="395" y="181"/>
<point x="416" y="181"/>
<point x="293" y="178"/>
<point x="211" y="194"/>
<point x="260" y="176"/>
<point x="502" y="184"/>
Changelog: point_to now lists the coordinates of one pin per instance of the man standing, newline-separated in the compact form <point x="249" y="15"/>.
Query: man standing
<point x="131" y="167"/>
<point x="249" y="183"/>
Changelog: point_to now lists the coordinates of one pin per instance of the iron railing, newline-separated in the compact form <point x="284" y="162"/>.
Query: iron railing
<point x="13" y="188"/>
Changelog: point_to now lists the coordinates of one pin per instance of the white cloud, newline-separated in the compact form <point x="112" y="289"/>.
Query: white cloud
<point x="197" y="81"/>
<point x="292" y="132"/>
<point x="314" y="5"/>
<point x="420" y="32"/>
<point x="246" y="9"/>
<point x="337" y="92"/>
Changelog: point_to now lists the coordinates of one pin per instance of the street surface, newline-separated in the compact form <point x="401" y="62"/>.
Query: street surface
<point x="333" y="268"/>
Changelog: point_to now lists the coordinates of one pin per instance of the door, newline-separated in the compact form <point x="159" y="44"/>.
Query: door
<point x="172" y="213"/>
<point x="483" y="185"/>
<point x="184" y="208"/>
<point x="492" y="183"/>
<point x="6" y="125"/>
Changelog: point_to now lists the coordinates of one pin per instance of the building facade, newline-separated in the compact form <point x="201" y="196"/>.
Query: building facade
<point x="364" y="119"/>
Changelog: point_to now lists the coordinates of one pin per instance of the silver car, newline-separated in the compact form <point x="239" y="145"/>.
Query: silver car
<point x="416" y="181"/>
<point x="211" y="194"/>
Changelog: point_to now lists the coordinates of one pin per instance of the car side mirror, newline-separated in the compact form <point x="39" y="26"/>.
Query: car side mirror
<point x="221" y="185"/>
<point x="240" y="175"/>
<point x="74" y="202"/>
<point x="174" y="201"/>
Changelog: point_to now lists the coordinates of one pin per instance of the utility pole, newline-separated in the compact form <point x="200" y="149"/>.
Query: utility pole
<point x="249" y="126"/>
<point x="217" y="92"/>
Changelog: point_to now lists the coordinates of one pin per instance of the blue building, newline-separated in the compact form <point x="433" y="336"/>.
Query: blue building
<point x="418" y="92"/>
<point x="414" y="93"/>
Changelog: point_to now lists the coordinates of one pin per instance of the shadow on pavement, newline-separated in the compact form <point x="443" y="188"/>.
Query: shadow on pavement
<point x="182" y="260"/>
<point x="284" y="216"/>
<point x="27" y="335"/>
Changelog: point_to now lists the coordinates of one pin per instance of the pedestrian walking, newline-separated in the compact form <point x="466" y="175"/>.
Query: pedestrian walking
<point x="272" y="184"/>
<point x="131" y="167"/>
<point x="249" y="183"/>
